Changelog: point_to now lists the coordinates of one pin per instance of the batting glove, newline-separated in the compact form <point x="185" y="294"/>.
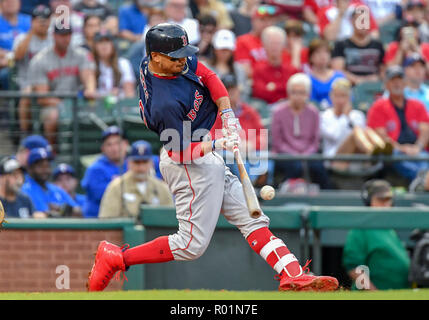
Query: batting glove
<point x="230" y="124"/>
<point x="228" y="143"/>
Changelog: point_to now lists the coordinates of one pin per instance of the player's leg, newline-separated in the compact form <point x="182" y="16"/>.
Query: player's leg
<point x="198" y="191"/>
<point x="272" y="249"/>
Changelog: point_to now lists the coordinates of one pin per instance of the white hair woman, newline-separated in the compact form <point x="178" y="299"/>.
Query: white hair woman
<point x="343" y="129"/>
<point x="295" y="130"/>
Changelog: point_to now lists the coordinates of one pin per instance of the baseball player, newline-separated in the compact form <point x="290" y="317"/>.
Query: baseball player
<point x="179" y="100"/>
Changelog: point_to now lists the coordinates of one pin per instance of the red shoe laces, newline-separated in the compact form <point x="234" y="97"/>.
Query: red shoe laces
<point x="118" y="274"/>
<point x="305" y="268"/>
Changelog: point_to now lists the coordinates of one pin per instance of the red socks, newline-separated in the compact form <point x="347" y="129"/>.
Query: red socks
<point x="262" y="241"/>
<point x="274" y="251"/>
<point x="154" y="251"/>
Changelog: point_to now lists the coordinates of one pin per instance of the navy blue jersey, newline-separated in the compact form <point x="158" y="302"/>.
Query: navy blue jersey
<point x="182" y="104"/>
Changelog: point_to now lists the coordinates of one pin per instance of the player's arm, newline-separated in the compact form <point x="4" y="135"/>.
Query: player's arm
<point x="218" y="92"/>
<point x="219" y="95"/>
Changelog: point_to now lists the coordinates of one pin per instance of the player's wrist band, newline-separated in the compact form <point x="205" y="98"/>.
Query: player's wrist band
<point x="225" y="111"/>
<point x="213" y="145"/>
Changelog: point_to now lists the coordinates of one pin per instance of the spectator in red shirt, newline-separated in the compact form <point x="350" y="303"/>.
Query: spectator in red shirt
<point x="254" y="137"/>
<point x="297" y="9"/>
<point x="249" y="49"/>
<point x="295" y="130"/>
<point x="270" y="76"/>
<point x="335" y="21"/>
<point x="407" y="44"/>
<point x="402" y="122"/>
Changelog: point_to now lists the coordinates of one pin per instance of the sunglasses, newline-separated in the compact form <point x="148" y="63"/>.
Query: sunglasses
<point x="267" y="10"/>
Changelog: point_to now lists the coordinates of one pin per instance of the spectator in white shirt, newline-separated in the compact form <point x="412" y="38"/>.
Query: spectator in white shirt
<point x="383" y="10"/>
<point x="343" y="129"/>
<point x="176" y="11"/>
<point x="115" y="75"/>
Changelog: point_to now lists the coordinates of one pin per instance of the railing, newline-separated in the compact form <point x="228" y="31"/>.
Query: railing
<point x="96" y="111"/>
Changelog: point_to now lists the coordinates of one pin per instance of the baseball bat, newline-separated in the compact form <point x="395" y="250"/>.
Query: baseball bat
<point x="249" y="192"/>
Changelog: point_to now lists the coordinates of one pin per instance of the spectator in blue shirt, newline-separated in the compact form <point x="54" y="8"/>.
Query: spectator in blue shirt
<point x="322" y="75"/>
<point x="29" y="143"/>
<point x="133" y="19"/>
<point x="15" y="203"/>
<point x="64" y="176"/>
<point x="12" y="23"/>
<point x="47" y="197"/>
<point x="415" y="75"/>
<point x="107" y="167"/>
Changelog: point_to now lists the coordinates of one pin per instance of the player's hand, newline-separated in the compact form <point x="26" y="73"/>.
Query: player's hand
<point x="227" y="143"/>
<point x="230" y="124"/>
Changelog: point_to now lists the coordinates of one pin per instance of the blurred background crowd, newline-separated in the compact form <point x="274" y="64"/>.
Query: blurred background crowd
<point x="325" y="78"/>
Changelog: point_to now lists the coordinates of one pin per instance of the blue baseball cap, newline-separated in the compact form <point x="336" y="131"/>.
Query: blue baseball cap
<point x="140" y="150"/>
<point x="35" y="141"/>
<point x="63" y="168"/>
<point x="110" y="131"/>
<point x="38" y="154"/>
<point x="413" y="58"/>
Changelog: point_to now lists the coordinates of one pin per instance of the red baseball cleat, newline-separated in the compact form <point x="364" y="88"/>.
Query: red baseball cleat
<point x="108" y="260"/>
<point x="307" y="282"/>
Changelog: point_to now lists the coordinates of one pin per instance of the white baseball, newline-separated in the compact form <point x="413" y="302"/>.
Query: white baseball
<point x="267" y="192"/>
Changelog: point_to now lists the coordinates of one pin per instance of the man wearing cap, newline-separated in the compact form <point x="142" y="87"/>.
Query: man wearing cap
<point x="125" y="194"/>
<point x="64" y="176"/>
<point x="25" y="47"/>
<point x="380" y="250"/>
<point x="15" y="203"/>
<point x="46" y="197"/>
<point x="107" y="167"/>
<point x="401" y="121"/>
<point x="61" y="68"/>
<point x="29" y="143"/>
<point x="415" y="76"/>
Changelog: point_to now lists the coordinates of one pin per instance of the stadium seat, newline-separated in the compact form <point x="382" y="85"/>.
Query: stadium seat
<point x="388" y="31"/>
<point x="364" y="94"/>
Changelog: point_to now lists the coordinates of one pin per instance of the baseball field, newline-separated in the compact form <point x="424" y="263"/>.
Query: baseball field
<point x="413" y="294"/>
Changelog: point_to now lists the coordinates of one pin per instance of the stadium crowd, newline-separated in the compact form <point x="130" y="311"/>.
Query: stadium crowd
<point x="295" y="68"/>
